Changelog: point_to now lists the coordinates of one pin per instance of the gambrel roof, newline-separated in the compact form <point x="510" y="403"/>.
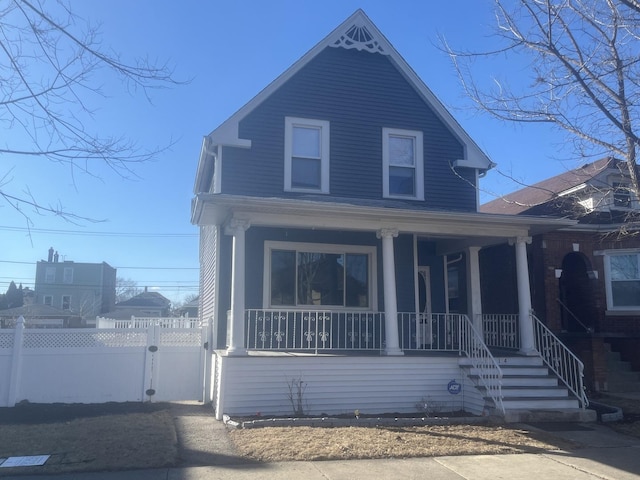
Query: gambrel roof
<point x="356" y="32"/>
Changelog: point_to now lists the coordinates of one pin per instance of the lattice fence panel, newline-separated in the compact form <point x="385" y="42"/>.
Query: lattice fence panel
<point x="181" y="338"/>
<point x="89" y="339"/>
<point x="6" y="340"/>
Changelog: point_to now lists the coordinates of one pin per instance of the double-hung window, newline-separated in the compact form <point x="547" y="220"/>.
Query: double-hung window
<point x="622" y="273"/>
<point x="306" y="161"/>
<point x="402" y="159"/>
<point x="304" y="275"/>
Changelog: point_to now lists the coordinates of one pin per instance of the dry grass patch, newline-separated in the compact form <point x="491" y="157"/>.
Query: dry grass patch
<point x="630" y="425"/>
<point x="116" y="441"/>
<point x="274" y="444"/>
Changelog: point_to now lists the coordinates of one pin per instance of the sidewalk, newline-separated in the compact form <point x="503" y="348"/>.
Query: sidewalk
<point x="607" y="455"/>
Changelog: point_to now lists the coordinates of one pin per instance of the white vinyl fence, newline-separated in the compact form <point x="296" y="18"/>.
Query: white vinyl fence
<point x="87" y="365"/>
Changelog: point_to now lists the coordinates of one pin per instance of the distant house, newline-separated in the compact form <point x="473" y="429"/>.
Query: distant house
<point x="40" y="316"/>
<point x="189" y="308"/>
<point x="339" y="241"/>
<point x="86" y="289"/>
<point x="585" y="277"/>
<point x="145" y="304"/>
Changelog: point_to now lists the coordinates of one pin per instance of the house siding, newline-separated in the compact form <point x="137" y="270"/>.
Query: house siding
<point x="358" y="93"/>
<point x="208" y="276"/>
<point x="338" y="385"/>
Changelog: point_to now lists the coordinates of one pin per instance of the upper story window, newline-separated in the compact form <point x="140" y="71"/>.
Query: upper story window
<point x="306" y="155"/>
<point x="66" y="302"/>
<point x="621" y="195"/>
<point x="67" y="276"/>
<point x="50" y="275"/>
<point x="48" y="300"/>
<point x="622" y="273"/>
<point x="402" y="160"/>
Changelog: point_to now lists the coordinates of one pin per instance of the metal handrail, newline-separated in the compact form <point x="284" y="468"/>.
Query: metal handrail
<point x="484" y="363"/>
<point x="561" y="360"/>
<point x="588" y="330"/>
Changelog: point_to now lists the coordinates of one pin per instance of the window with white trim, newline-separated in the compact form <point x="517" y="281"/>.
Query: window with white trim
<point x="622" y="273"/>
<point x="402" y="160"/>
<point x="306" y="155"/>
<point x="67" y="276"/>
<point x="66" y="302"/>
<point x="50" y="275"/>
<point x="319" y="275"/>
<point x="48" y="300"/>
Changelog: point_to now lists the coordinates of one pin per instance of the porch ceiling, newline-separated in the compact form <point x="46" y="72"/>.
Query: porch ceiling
<point x="458" y="228"/>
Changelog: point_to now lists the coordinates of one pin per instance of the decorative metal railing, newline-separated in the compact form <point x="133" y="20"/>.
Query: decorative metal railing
<point x="323" y="330"/>
<point x="556" y="355"/>
<point x="482" y="361"/>
<point x="433" y="331"/>
<point x="314" y="330"/>
<point x="501" y="330"/>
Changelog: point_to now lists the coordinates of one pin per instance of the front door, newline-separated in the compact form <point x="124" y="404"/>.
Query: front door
<point x="423" y="308"/>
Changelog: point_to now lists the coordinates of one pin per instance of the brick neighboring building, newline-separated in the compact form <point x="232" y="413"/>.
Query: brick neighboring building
<point x="585" y="279"/>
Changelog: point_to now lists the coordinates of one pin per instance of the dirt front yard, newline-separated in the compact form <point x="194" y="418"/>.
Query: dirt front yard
<point x="136" y="435"/>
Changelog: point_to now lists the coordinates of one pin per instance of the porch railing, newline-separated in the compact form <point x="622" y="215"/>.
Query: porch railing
<point x="501" y="330"/>
<point x="560" y="360"/>
<point x="324" y="330"/>
<point x="482" y="361"/>
<point x="313" y="330"/>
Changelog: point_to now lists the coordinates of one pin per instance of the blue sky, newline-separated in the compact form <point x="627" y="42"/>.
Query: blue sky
<point x="229" y="50"/>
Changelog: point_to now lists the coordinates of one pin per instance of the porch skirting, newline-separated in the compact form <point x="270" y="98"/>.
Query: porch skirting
<point x="339" y="384"/>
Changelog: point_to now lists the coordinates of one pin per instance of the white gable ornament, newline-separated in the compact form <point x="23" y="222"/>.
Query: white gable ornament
<point x="358" y="36"/>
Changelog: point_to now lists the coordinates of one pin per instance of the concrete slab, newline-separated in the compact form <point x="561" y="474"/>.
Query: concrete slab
<point x="615" y="463"/>
<point x="511" y="467"/>
<point x="401" y="469"/>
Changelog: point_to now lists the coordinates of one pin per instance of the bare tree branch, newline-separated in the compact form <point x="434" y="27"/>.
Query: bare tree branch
<point x="49" y="59"/>
<point x="584" y="66"/>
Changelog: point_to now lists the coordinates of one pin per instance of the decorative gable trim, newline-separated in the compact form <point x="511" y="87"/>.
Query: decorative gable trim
<point x="358" y="32"/>
<point x="359" y="37"/>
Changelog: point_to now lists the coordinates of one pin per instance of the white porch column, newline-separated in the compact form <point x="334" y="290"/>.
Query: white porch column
<point x="527" y="344"/>
<point x="474" y="295"/>
<point x="237" y="228"/>
<point x="390" y="301"/>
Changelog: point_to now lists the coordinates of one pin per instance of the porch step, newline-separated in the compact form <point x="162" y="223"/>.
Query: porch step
<point x="620" y="376"/>
<point x="531" y="392"/>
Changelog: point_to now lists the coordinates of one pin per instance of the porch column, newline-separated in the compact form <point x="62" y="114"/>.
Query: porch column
<point x="390" y="301"/>
<point x="474" y="296"/>
<point x="237" y="228"/>
<point x="525" y="322"/>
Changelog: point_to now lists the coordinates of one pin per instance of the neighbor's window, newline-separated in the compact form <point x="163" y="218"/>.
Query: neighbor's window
<point x="402" y="160"/>
<point x="306" y="155"/>
<point x="67" y="276"/>
<point x="48" y="300"/>
<point x="621" y="195"/>
<point x="623" y="280"/>
<point x="50" y="275"/>
<point x="320" y="276"/>
<point x="66" y="302"/>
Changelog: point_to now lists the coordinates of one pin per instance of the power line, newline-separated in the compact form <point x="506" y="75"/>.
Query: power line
<point x="116" y="267"/>
<point x="97" y="234"/>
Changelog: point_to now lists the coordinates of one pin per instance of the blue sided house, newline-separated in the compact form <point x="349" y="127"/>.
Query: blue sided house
<point x="339" y="251"/>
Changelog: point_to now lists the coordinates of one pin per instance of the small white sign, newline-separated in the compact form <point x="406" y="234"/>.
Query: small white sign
<point x="30" y="461"/>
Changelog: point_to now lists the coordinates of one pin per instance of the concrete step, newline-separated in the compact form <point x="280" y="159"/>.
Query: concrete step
<point x="519" y="361"/>
<point x="533" y="371"/>
<point x="557" y="415"/>
<point x="538" y="403"/>
<point x="531" y="392"/>
<point x="523" y="380"/>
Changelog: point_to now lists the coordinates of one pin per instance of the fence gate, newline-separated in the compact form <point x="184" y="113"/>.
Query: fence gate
<point x="175" y="364"/>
